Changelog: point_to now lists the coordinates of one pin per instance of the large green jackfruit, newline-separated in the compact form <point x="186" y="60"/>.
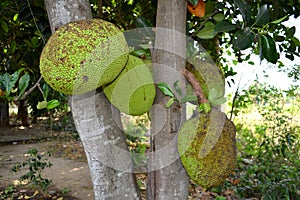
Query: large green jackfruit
<point x="209" y="157"/>
<point x="83" y="55"/>
<point x="133" y="91"/>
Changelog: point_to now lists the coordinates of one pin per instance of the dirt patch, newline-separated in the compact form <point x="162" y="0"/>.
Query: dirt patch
<point x="71" y="176"/>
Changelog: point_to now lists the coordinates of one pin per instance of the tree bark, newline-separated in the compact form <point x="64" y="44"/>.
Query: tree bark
<point x="97" y="122"/>
<point x="4" y="114"/>
<point x="169" y="181"/>
<point x="23" y="112"/>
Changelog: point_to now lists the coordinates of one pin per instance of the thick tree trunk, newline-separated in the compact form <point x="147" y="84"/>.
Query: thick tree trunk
<point x="4" y="114"/>
<point x="169" y="181"/>
<point x="97" y="125"/>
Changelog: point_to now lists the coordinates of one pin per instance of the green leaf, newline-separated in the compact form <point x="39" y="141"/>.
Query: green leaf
<point x="208" y="31"/>
<point x="251" y="63"/>
<point x="206" y="107"/>
<point x="194" y="2"/>
<point x="139" y="52"/>
<point x="13" y="46"/>
<point x="166" y="89"/>
<point x="200" y="108"/>
<point x="224" y="26"/>
<point x="4" y="26"/>
<point x="15" y="17"/>
<point x="268" y="49"/>
<point x="189" y="98"/>
<point x="290" y="32"/>
<point x="42" y="105"/>
<point x="8" y="81"/>
<point x="279" y="20"/>
<point x="245" y="10"/>
<point x="243" y="39"/>
<point x="52" y="104"/>
<point x="219" y="17"/>
<point x="23" y="84"/>
<point x="263" y="16"/>
<point x="177" y="88"/>
<point x="34" y="42"/>
<point x="170" y="102"/>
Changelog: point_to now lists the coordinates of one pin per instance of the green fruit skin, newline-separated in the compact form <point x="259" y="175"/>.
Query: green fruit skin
<point x="133" y="91"/>
<point x="219" y="163"/>
<point x="83" y="55"/>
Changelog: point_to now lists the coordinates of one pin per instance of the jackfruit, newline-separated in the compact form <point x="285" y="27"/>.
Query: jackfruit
<point x="212" y="168"/>
<point x="133" y="91"/>
<point x="83" y="55"/>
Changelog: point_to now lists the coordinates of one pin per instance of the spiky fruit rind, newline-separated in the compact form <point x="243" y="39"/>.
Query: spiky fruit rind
<point x="219" y="163"/>
<point x="133" y="91"/>
<point x="83" y="55"/>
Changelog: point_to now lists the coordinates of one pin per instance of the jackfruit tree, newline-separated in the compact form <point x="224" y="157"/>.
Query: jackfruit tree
<point x="98" y="122"/>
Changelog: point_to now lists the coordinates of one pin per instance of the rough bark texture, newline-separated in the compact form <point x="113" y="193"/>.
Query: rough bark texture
<point x="105" y="147"/>
<point x="96" y="123"/>
<point x="171" y="181"/>
<point x="61" y="12"/>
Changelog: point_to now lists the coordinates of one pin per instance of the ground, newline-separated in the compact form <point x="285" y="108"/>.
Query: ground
<point x="69" y="173"/>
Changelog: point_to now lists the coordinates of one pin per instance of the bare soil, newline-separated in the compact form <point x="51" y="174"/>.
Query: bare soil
<point x="69" y="173"/>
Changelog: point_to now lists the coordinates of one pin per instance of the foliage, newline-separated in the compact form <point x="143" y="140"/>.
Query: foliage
<point x="35" y="163"/>
<point x="7" y="192"/>
<point x="240" y="28"/>
<point x="124" y="12"/>
<point x="8" y="84"/>
<point x="23" y="31"/>
<point x="269" y="146"/>
<point x="136" y="138"/>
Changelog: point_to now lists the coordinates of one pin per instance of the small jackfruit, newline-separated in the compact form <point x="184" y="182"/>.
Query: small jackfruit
<point x="133" y="91"/>
<point x="211" y="168"/>
<point x="83" y="55"/>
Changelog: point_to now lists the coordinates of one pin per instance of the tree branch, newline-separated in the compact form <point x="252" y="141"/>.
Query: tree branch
<point x="198" y="92"/>
<point x="29" y="91"/>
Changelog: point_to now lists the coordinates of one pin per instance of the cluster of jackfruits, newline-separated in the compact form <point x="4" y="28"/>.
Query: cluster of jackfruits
<point x="206" y="143"/>
<point x="87" y="54"/>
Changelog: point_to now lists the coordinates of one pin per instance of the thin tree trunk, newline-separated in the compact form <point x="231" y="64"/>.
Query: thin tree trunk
<point x="169" y="181"/>
<point x="4" y="114"/>
<point x="97" y="122"/>
<point x="23" y="112"/>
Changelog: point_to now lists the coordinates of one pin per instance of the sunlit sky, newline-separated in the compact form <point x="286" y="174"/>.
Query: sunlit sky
<point x="248" y="73"/>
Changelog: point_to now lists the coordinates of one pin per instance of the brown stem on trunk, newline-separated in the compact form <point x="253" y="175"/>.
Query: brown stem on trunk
<point x="198" y="92"/>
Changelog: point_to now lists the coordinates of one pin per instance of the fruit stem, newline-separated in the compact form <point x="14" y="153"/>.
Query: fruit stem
<point x="198" y="92"/>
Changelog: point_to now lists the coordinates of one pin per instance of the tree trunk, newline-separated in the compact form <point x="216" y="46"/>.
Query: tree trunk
<point x="23" y="113"/>
<point x="169" y="181"/>
<point x="4" y="114"/>
<point x="97" y="122"/>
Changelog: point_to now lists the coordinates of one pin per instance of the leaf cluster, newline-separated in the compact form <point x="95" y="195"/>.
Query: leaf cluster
<point x="35" y="164"/>
<point x="246" y="25"/>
